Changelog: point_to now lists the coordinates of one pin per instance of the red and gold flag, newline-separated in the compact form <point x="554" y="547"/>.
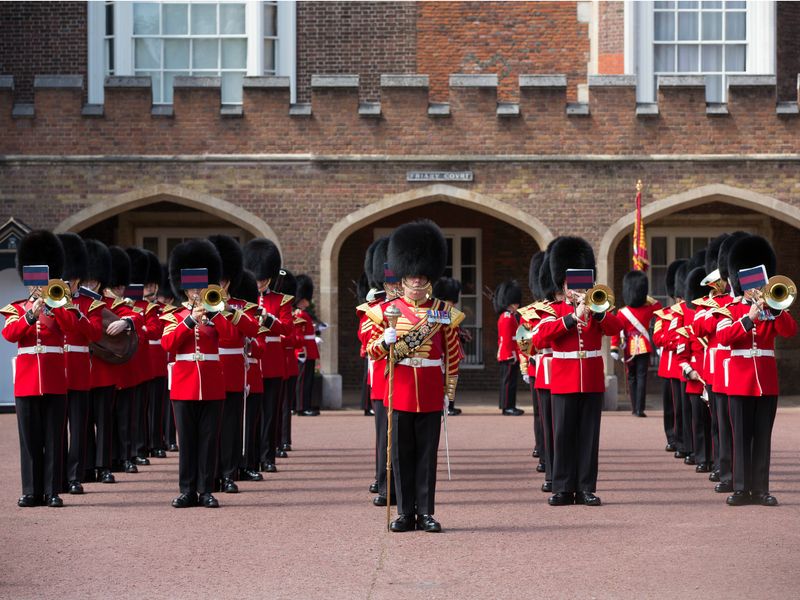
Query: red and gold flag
<point x="640" y="261"/>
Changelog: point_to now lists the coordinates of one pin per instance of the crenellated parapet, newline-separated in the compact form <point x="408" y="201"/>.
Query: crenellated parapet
<point x="405" y="122"/>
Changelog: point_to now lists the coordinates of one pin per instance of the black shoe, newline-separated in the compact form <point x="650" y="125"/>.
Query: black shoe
<point x="587" y="499"/>
<point x="453" y="412"/>
<point x="540" y="468"/>
<point x="185" y="501"/>
<point x="309" y="413"/>
<point x="641" y="413"/>
<point x="689" y="460"/>
<point x="106" y="476"/>
<point x="765" y="499"/>
<point x="381" y="500"/>
<point x="703" y="468"/>
<point x="670" y="447"/>
<point x="723" y="487"/>
<point x="535" y="453"/>
<point x="129" y="467"/>
<point x="738" y="499"/>
<point x="269" y="468"/>
<point x="547" y="487"/>
<point x="173" y="447"/>
<point x="369" y="413"/>
<point x="250" y="475"/>
<point x="282" y="454"/>
<point x="229" y="486"/>
<point x="28" y="501"/>
<point x="159" y="453"/>
<point x="53" y="501"/>
<point x="286" y="447"/>
<point x="374" y="488"/>
<point x="680" y="454"/>
<point x="513" y="412"/>
<point x="75" y="487"/>
<point x="714" y="476"/>
<point x="561" y="499"/>
<point x="208" y="501"/>
<point x="141" y="460"/>
<point x="428" y="523"/>
<point x="402" y="523"/>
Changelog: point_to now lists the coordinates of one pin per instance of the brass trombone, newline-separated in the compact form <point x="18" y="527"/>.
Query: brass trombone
<point x="213" y="298"/>
<point x="56" y="294"/>
<point x="600" y="298"/>
<point x="780" y="292"/>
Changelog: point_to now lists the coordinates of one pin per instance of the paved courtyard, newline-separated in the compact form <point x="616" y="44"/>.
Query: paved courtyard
<point x="310" y="531"/>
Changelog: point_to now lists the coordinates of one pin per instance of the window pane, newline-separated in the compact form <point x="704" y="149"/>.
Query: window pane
<point x="714" y="88"/>
<point x="735" y="26"/>
<point x="148" y="54"/>
<point x="169" y="80"/>
<point x="469" y="279"/>
<point x="683" y="247"/>
<point x="736" y="4"/>
<point x="155" y="83"/>
<point x="231" y="18"/>
<point x="232" y="88"/>
<point x="176" y="54"/>
<point x="665" y="26"/>
<point x="270" y="20"/>
<point x="145" y="18"/>
<point x="712" y="4"/>
<point x="204" y="19"/>
<point x="176" y="19"/>
<point x="712" y="26"/>
<point x="658" y="251"/>
<point x="204" y="54"/>
<point x="687" y="26"/>
<point x="665" y="58"/>
<point x="735" y="58"/>
<point x="468" y="254"/>
<point x="687" y="4"/>
<point x="712" y="58"/>
<point x="151" y="244"/>
<point x="449" y="242"/>
<point x="687" y="59"/>
<point x="657" y="275"/>
<point x="468" y="308"/>
<point x="234" y="54"/>
<point x="269" y="56"/>
<point x="109" y="19"/>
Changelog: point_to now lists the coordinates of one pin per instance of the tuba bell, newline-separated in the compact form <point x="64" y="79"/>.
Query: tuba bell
<point x="56" y="294"/>
<point x="524" y="337"/>
<point x="214" y="298"/>
<point x="780" y="292"/>
<point x="600" y="298"/>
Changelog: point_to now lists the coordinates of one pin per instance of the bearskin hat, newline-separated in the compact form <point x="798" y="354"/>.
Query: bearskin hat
<point x="712" y="253"/>
<point x="262" y="258"/>
<point x="305" y="288"/>
<point x="362" y="288"/>
<point x="120" y="268"/>
<point x="570" y="253"/>
<point x="417" y="249"/>
<point x="506" y="294"/>
<point x="669" y="278"/>
<point x="286" y="283"/>
<point x="194" y="254"/>
<point x="724" y="250"/>
<point x="379" y="260"/>
<point x="680" y="280"/>
<point x="746" y="253"/>
<point x="232" y="257"/>
<point x="247" y="289"/>
<point x="698" y="259"/>
<point x="533" y="275"/>
<point x="447" y="289"/>
<point x="41" y="248"/>
<point x="164" y="285"/>
<point x="153" y="268"/>
<point x="634" y="288"/>
<point x="368" y="264"/>
<point x="694" y="285"/>
<point x="75" y="256"/>
<point x="139" y="265"/>
<point x="98" y="266"/>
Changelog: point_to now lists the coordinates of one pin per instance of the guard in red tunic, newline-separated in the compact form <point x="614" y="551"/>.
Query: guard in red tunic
<point x="262" y="258"/>
<point x="427" y="355"/>
<point x="308" y="338"/>
<point x="191" y="336"/>
<point x="156" y="442"/>
<point x="161" y="360"/>
<point x="40" y="381"/>
<point x="361" y="290"/>
<point x="660" y="328"/>
<point x="449" y="290"/>
<point x="76" y="351"/>
<point x="575" y="334"/>
<point x="290" y="343"/>
<point x="506" y="300"/>
<point x="634" y="339"/>
<point x="749" y="327"/>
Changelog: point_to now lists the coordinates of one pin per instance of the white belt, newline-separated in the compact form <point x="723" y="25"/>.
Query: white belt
<point x="546" y="351"/>
<point x="252" y="361"/>
<point x="723" y="348"/>
<point x="155" y="342"/>
<point x="82" y="349"/>
<point x="39" y="349"/>
<point x="226" y="351"/>
<point x="753" y="352"/>
<point x="578" y="354"/>
<point x="420" y="362"/>
<point x="309" y="337"/>
<point x="272" y="338"/>
<point x="196" y="356"/>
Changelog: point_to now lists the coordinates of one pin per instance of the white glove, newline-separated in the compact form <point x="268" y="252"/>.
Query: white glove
<point x="301" y="358"/>
<point x="389" y="335"/>
<point x="615" y="355"/>
<point x="526" y="378"/>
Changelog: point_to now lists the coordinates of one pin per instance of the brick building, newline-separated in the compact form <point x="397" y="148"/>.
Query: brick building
<point x="323" y="124"/>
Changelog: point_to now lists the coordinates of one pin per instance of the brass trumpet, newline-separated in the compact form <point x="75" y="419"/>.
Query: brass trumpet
<point x="524" y="337"/>
<point x="213" y="298"/>
<point x="56" y="294"/>
<point x="600" y="298"/>
<point x="780" y="292"/>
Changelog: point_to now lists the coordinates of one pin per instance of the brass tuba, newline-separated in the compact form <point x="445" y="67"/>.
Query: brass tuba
<point x="780" y="292"/>
<point x="600" y="298"/>
<point x="524" y="337"/>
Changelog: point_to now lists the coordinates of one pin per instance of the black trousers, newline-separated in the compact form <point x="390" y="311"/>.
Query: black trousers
<point x="123" y="416"/>
<point x="198" y="423"/>
<point x="141" y="400"/>
<point x="725" y="438"/>
<point x="669" y="410"/>
<point x="366" y="403"/>
<point x="637" y="381"/>
<point x="712" y="405"/>
<point x="252" y="431"/>
<point x="305" y="385"/>
<point x="681" y="444"/>
<point x="169" y="420"/>
<point x="102" y="415"/>
<point x="230" y="437"/>
<point x="79" y="404"/>
<point x="381" y="441"/>
<point x="701" y="430"/>
<point x="752" y="419"/>
<point x="509" y="376"/>
<point x="157" y="440"/>
<point x="686" y="409"/>
<point x="538" y="429"/>
<point x="288" y="400"/>
<point x="42" y="423"/>
<point x="269" y="419"/>
<point x="576" y="424"/>
<point x="415" y="444"/>
<point x="546" y="412"/>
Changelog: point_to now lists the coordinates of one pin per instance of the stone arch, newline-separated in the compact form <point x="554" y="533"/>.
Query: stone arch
<point x="179" y="195"/>
<point x="755" y="201"/>
<point x="394" y="203"/>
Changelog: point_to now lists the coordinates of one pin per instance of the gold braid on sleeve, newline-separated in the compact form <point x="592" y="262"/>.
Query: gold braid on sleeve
<point x="450" y="389"/>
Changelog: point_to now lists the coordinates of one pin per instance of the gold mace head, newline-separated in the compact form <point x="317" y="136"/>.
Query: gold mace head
<point x="392" y="313"/>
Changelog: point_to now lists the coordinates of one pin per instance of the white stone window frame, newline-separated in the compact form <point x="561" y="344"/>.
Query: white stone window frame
<point x="185" y="233"/>
<point x="285" y="51"/>
<point x="761" y="26"/>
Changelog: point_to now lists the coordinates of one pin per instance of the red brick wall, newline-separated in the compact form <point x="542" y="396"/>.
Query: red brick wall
<point x="506" y="38"/>
<point x="41" y="38"/>
<point x="362" y="38"/>
<point x="788" y="47"/>
<point x="611" y="38"/>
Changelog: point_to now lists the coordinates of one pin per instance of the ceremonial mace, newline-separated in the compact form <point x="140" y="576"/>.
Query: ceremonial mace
<point x="392" y="313"/>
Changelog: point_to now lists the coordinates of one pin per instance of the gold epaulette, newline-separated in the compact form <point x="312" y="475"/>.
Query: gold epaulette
<point x="677" y="308"/>
<point x="137" y="309"/>
<point x="286" y="298"/>
<point x="544" y="306"/>
<point x="118" y="302"/>
<point x="528" y="312"/>
<point x="682" y="331"/>
<point x="262" y="330"/>
<point x="456" y="316"/>
<point x="96" y="304"/>
<point x="650" y="301"/>
<point x="168" y="308"/>
<point x="249" y="306"/>
<point x="722" y="310"/>
<point x="9" y="310"/>
<point x="299" y="320"/>
<point x="704" y="301"/>
<point x="169" y="317"/>
<point x="375" y="314"/>
<point x="150" y="306"/>
<point x="663" y="315"/>
<point x="363" y="307"/>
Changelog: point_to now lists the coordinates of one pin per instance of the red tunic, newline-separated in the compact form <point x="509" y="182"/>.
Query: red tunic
<point x="717" y="353"/>
<point x="506" y="333"/>
<point x="158" y="358"/>
<point x="660" y="330"/>
<point x="103" y="373"/>
<point x="76" y="342"/>
<point x="636" y="341"/>
<point x="309" y="339"/>
<point x="293" y="347"/>
<point x="233" y="334"/>
<point x="273" y="362"/>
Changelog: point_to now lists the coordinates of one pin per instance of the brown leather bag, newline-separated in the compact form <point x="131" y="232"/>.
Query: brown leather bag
<point x="116" y="349"/>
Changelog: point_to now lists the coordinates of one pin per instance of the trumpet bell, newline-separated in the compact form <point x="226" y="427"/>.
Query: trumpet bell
<point x="524" y="337"/>
<point x="600" y="298"/>
<point x="780" y="292"/>
<point x="214" y="299"/>
<point x="55" y="294"/>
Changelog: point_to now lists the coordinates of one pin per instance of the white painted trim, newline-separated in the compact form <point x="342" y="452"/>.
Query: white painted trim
<point x="761" y="34"/>
<point x="254" y="29"/>
<point x="629" y="37"/>
<point x="123" y="38"/>
<point x="645" y="30"/>
<point x="287" y="43"/>
<point x="95" y="50"/>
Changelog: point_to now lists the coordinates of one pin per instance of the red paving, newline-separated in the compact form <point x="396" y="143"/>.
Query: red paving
<point x="310" y="531"/>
